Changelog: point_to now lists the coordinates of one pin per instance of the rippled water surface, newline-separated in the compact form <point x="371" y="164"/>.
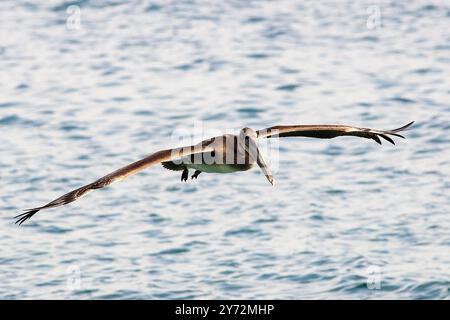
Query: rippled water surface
<point x="347" y="218"/>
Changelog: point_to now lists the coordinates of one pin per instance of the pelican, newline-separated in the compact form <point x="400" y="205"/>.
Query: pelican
<point x="222" y="154"/>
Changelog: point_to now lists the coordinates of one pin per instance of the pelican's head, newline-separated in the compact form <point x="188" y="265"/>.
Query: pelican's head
<point x="248" y="140"/>
<point x="248" y="132"/>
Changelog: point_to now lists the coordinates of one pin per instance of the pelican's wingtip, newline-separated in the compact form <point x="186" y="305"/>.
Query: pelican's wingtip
<point x="406" y="126"/>
<point x="21" y="218"/>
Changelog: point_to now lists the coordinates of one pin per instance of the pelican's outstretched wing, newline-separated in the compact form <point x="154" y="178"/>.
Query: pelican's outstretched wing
<point x="118" y="175"/>
<point x="330" y="131"/>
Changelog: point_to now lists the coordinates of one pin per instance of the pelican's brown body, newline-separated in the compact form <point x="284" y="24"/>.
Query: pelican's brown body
<point x="229" y="159"/>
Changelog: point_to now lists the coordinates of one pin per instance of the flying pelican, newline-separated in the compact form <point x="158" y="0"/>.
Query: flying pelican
<point x="221" y="154"/>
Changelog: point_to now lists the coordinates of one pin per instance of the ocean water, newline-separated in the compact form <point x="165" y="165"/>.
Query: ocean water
<point x="89" y="86"/>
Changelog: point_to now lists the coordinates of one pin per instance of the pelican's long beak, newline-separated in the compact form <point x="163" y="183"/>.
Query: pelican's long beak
<point x="253" y="150"/>
<point x="265" y="169"/>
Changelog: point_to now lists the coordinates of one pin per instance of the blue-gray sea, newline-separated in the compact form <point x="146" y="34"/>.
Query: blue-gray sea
<point x="89" y="86"/>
